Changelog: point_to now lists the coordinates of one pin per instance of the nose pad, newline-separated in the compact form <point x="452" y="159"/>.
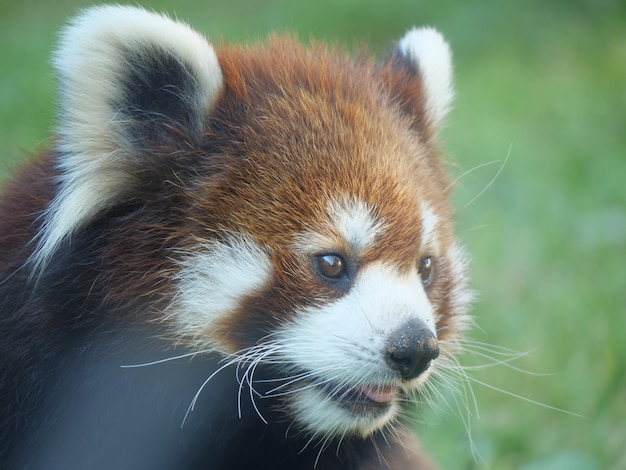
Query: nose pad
<point x="410" y="349"/>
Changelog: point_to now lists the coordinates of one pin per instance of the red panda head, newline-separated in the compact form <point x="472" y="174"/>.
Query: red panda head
<point x="298" y="196"/>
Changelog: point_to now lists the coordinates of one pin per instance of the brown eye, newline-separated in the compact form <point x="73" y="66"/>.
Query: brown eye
<point x="331" y="266"/>
<point x="425" y="269"/>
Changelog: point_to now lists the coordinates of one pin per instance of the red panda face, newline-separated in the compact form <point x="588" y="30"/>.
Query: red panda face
<point x="328" y="248"/>
<point x="303" y="204"/>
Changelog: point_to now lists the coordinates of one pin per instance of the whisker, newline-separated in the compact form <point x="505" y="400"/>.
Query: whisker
<point x="282" y="379"/>
<point x="495" y="177"/>
<point x="458" y="369"/>
<point x="250" y="376"/>
<point x="492" y="348"/>
<point x="289" y="381"/>
<point x="488" y="352"/>
<point x="242" y="357"/>
<point x="322" y="448"/>
<point x="195" y="397"/>
<point x="311" y="439"/>
<point x="339" y="442"/>
<point x="263" y="351"/>
<point x="380" y="455"/>
<point x="526" y="399"/>
<point x="471" y="170"/>
<point x="167" y="359"/>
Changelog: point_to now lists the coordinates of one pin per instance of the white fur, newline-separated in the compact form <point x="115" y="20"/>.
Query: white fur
<point x="356" y="223"/>
<point x="461" y="295"/>
<point x="351" y="221"/>
<point x="321" y="417"/>
<point x="93" y="145"/>
<point x="430" y="242"/>
<point x="212" y="280"/>
<point x="428" y="50"/>
<point x="344" y="342"/>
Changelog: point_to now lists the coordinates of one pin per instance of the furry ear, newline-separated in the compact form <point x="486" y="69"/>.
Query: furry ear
<point x="425" y="52"/>
<point x="130" y="82"/>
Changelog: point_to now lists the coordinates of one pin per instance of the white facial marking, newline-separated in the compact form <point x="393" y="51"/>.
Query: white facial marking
<point x="429" y="227"/>
<point x="321" y="417"/>
<point x="355" y="223"/>
<point x="344" y="342"/>
<point x="431" y="54"/>
<point x="461" y="295"/>
<point x="214" y="278"/>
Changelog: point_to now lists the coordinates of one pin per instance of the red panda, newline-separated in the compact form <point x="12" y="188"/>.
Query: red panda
<point x="230" y="257"/>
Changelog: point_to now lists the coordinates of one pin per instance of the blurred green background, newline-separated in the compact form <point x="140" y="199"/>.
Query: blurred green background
<point x="541" y="82"/>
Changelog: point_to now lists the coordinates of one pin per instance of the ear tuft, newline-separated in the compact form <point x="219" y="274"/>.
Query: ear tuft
<point x="130" y="82"/>
<point x="428" y="52"/>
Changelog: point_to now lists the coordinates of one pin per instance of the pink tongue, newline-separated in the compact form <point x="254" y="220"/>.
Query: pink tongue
<point x="380" y="394"/>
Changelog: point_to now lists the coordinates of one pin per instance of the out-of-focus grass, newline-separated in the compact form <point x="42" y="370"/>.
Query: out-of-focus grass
<point x="543" y="83"/>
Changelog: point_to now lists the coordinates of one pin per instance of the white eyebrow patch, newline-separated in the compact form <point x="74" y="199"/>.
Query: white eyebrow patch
<point x="429" y="227"/>
<point x="352" y="220"/>
<point x="355" y="222"/>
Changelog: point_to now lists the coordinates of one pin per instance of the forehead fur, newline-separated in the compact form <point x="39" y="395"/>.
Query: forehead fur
<point x="351" y="227"/>
<point x="308" y="126"/>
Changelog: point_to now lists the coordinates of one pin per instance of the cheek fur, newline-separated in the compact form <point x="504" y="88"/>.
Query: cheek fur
<point x="452" y="298"/>
<point x="342" y="346"/>
<point x="346" y="338"/>
<point x="213" y="279"/>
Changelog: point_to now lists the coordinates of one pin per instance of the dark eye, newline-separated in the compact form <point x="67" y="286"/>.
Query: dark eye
<point x="425" y="269"/>
<point x="331" y="266"/>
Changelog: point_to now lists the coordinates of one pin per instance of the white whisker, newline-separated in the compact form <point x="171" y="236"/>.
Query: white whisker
<point x="289" y="381"/>
<point x="471" y="170"/>
<point x="195" y="397"/>
<point x="167" y="359"/>
<point x="528" y="400"/>
<point x="322" y="448"/>
<point x="448" y="373"/>
<point x="495" y="177"/>
<point x="339" y="442"/>
<point x="489" y="352"/>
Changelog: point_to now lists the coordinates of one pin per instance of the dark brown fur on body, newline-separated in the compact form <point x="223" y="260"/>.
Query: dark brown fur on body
<point x="291" y="130"/>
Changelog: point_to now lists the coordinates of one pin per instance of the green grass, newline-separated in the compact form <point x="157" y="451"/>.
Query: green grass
<point x="543" y="83"/>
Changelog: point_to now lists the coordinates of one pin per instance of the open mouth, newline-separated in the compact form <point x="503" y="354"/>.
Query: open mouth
<point x="365" y="398"/>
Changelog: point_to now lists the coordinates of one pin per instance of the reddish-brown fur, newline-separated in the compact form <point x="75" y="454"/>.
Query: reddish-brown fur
<point x="335" y="129"/>
<point x="292" y="129"/>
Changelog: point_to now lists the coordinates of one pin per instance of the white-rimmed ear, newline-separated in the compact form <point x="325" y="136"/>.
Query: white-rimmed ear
<point x="131" y="83"/>
<point x="429" y="54"/>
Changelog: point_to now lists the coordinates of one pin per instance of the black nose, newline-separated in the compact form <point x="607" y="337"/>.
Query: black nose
<point x="411" y="348"/>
